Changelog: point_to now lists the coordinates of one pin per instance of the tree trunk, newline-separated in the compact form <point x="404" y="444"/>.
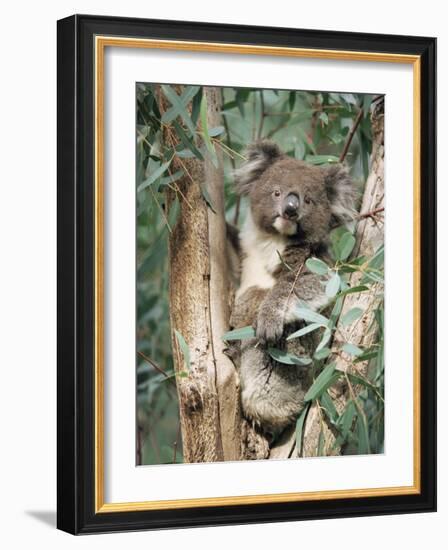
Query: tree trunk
<point x="199" y="309"/>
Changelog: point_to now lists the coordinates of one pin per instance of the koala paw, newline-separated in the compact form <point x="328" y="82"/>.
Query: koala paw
<point x="269" y="325"/>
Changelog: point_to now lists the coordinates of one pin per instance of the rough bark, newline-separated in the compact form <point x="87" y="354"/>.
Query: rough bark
<point x="199" y="310"/>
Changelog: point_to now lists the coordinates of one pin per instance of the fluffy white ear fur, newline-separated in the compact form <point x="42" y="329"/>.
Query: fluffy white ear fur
<point x="341" y="193"/>
<point x="259" y="156"/>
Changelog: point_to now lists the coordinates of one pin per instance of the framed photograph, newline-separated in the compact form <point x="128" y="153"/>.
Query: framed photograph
<point x="246" y="274"/>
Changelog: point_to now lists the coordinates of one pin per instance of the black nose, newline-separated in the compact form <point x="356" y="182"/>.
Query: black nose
<point x="291" y="206"/>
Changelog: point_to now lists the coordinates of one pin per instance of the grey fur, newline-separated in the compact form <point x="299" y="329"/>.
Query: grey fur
<point x="274" y="276"/>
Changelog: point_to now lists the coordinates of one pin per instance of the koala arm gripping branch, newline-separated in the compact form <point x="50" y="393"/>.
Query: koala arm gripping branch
<point x="294" y="284"/>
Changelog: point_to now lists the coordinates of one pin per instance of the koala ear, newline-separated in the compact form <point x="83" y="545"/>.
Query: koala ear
<point x="260" y="155"/>
<point x="341" y="193"/>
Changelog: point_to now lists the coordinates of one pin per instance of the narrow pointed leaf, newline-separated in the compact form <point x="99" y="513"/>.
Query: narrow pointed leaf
<point x="346" y="245"/>
<point x="351" y="316"/>
<point x="351" y="349"/>
<point x="311" y="316"/>
<point x="184" y="348"/>
<point x="333" y="286"/>
<point x="317" y="266"/>
<point x="325" y="379"/>
<point x="304" y="330"/>
<point x="288" y="358"/>
<point x="154" y="176"/>
<point x="239" y="334"/>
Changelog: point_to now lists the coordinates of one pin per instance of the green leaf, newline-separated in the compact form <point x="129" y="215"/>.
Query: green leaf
<point x="323" y="117"/>
<point x="216" y="131"/>
<point x="304" y="330"/>
<point x="353" y="289"/>
<point x="362" y="382"/>
<point x="333" y="286"/>
<point x="311" y="316"/>
<point x="351" y="349"/>
<point x="347" y="417"/>
<point x="336" y="311"/>
<point x="323" y="353"/>
<point x="184" y="99"/>
<point x="178" y="108"/>
<point x="325" y="379"/>
<point x="321" y="159"/>
<point x="317" y="266"/>
<point x="206" y="135"/>
<point x="345" y="245"/>
<point x="288" y="358"/>
<point x="171" y="178"/>
<point x="325" y="339"/>
<point x="239" y="334"/>
<point x="154" y="176"/>
<point x="351" y="316"/>
<point x="329" y="407"/>
<point x="187" y="142"/>
<point x="363" y="435"/>
<point x="184" y="348"/>
<point x="299" y="428"/>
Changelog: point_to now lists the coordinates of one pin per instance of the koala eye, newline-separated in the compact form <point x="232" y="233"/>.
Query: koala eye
<point x="308" y="200"/>
<point x="277" y="192"/>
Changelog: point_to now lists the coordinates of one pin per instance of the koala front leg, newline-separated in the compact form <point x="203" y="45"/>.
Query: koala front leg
<point x="279" y="306"/>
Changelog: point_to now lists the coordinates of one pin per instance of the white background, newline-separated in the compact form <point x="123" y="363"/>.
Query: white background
<point x="28" y="272"/>
<point x="123" y="481"/>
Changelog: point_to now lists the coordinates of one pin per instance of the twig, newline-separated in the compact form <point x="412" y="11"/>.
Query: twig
<point x="299" y="271"/>
<point x="370" y="214"/>
<point x="139" y="445"/>
<point x="350" y="135"/>
<point x="175" y="443"/>
<point x="152" y="363"/>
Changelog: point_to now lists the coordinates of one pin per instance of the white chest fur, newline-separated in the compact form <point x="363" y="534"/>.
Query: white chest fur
<point x="261" y="256"/>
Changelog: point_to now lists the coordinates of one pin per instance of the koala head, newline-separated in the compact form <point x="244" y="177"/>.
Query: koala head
<point x="293" y="198"/>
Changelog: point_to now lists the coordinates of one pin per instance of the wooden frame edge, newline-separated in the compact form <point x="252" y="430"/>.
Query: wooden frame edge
<point x="100" y="43"/>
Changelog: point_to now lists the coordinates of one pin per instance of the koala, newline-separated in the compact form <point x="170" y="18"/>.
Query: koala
<point x="292" y="208"/>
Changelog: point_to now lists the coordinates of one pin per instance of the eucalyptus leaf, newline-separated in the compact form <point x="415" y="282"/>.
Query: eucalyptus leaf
<point x="186" y="141"/>
<point x="351" y="316"/>
<point x="321" y="159"/>
<point x="351" y="349"/>
<point x="323" y="353"/>
<point x="304" y="330"/>
<point x="346" y="245"/>
<point x="325" y="379"/>
<point x="333" y="286"/>
<point x="317" y="266"/>
<point x="311" y="316"/>
<point x="288" y="358"/>
<point x="239" y="334"/>
<point x="154" y="176"/>
<point x="325" y="339"/>
<point x="184" y="348"/>
<point x="179" y="108"/>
